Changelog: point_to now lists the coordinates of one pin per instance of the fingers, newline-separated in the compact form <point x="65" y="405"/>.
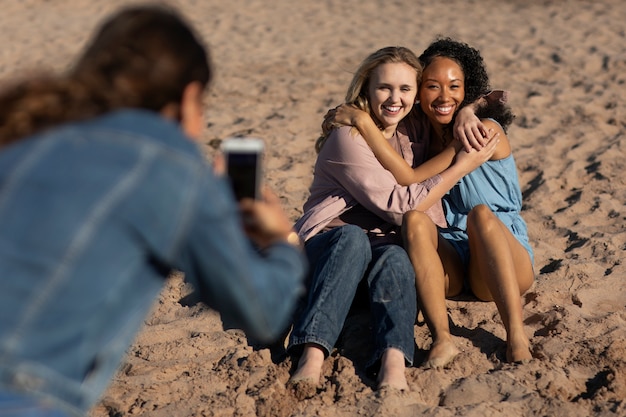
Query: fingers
<point x="474" y="143"/>
<point x="472" y="137"/>
<point x="342" y="111"/>
<point x="477" y="157"/>
<point x="330" y="119"/>
<point x="478" y="135"/>
<point x="269" y="196"/>
<point x="480" y="131"/>
<point x="491" y="142"/>
<point x="219" y="164"/>
<point x="490" y="147"/>
<point x="264" y="220"/>
<point x="491" y="134"/>
<point x="462" y="137"/>
<point x="333" y="111"/>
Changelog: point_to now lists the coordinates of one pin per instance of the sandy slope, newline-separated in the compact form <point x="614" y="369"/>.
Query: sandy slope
<point x="279" y="69"/>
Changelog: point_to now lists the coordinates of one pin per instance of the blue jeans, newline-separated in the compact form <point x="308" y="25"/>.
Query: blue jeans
<point x="17" y="405"/>
<point x="340" y="259"/>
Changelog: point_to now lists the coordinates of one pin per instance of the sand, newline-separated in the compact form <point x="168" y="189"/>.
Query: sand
<point x="280" y="65"/>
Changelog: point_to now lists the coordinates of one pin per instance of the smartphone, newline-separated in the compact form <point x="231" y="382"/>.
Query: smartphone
<point x="243" y="157"/>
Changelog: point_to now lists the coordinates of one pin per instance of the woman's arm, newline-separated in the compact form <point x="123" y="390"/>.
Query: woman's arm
<point x="468" y="128"/>
<point x="346" y="162"/>
<point x="386" y="155"/>
<point x="255" y="291"/>
<point x="465" y="162"/>
<point x="504" y="147"/>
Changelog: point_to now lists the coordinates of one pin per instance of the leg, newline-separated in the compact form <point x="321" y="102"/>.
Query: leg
<point x="391" y="284"/>
<point x="338" y="260"/>
<point x="500" y="270"/>
<point x="438" y="273"/>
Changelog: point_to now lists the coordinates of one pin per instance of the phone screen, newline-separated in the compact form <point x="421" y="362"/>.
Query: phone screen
<point x="242" y="171"/>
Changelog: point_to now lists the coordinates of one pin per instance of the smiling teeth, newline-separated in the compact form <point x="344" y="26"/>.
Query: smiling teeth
<point x="443" y="109"/>
<point x="393" y="108"/>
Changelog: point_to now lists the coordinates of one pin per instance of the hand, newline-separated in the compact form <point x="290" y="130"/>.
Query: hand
<point x="471" y="160"/>
<point x="264" y="220"/>
<point x="469" y="130"/>
<point x="342" y="115"/>
<point x="219" y="164"/>
<point x="348" y="114"/>
<point x="329" y="121"/>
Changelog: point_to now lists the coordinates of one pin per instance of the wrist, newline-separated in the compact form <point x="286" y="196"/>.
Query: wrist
<point x="361" y="120"/>
<point x="457" y="171"/>
<point x="470" y="109"/>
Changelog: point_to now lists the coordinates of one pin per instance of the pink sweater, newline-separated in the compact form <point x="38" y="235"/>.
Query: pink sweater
<point x="348" y="174"/>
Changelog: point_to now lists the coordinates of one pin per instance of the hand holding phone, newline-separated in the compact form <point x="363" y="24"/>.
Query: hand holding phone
<point x="243" y="158"/>
<point x="268" y="222"/>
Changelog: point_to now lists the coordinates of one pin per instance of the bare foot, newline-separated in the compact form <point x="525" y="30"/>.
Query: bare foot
<point x="391" y="373"/>
<point x="441" y="354"/>
<point x="518" y="351"/>
<point x="310" y="365"/>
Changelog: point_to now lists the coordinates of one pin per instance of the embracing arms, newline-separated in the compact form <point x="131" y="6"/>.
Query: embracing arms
<point x="347" y="163"/>
<point x="392" y="161"/>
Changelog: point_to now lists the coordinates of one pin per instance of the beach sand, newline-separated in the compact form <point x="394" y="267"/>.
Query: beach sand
<point x="279" y="66"/>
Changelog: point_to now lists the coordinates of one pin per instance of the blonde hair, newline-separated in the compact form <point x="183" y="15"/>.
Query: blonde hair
<point x="357" y="93"/>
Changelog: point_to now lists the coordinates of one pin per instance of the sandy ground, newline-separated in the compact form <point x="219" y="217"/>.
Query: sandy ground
<point x="280" y="65"/>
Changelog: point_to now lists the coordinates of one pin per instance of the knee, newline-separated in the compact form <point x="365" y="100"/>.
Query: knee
<point x="416" y="224"/>
<point x="354" y="240"/>
<point x="393" y="281"/>
<point x="396" y="257"/>
<point x="354" y="234"/>
<point x="414" y="218"/>
<point x="481" y="218"/>
<point x="396" y="265"/>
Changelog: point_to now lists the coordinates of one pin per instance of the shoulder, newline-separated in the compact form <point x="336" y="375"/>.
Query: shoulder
<point x="346" y="132"/>
<point x="344" y="148"/>
<point x="503" y="149"/>
<point x="343" y="138"/>
<point x="493" y="124"/>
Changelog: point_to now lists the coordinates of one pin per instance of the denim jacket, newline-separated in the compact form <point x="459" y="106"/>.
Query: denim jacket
<point x="93" y="216"/>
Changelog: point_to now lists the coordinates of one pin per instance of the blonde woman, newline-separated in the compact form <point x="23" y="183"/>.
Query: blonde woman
<point x="351" y="224"/>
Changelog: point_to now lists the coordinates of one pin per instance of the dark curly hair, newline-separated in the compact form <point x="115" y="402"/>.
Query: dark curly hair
<point x="476" y="78"/>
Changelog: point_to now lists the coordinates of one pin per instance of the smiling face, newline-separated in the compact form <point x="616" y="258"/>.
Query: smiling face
<point x="442" y="90"/>
<point x="392" y="90"/>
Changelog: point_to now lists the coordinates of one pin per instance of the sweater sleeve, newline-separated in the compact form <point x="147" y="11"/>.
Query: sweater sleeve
<point x="347" y="159"/>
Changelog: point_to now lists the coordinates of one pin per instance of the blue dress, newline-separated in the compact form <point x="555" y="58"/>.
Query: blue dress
<point x="494" y="184"/>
